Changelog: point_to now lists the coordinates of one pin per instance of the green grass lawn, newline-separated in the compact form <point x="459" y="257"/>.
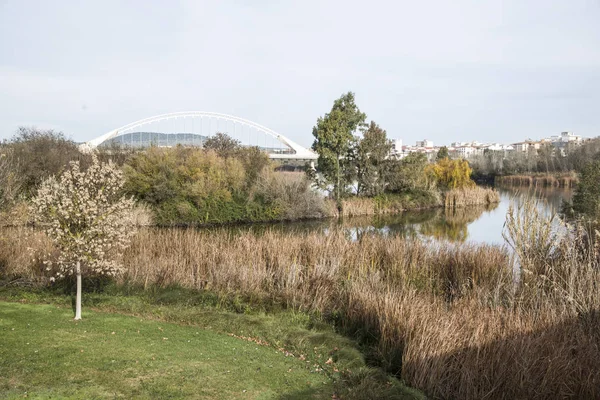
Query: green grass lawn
<point x="45" y="354"/>
<point x="175" y="343"/>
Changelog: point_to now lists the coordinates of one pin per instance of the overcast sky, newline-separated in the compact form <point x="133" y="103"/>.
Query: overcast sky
<point x="494" y="71"/>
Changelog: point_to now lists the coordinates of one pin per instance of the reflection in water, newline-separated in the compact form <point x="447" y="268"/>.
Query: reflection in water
<point x="477" y="224"/>
<point x="553" y="197"/>
<point x="439" y="224"/>
<point x="452" y="225"/>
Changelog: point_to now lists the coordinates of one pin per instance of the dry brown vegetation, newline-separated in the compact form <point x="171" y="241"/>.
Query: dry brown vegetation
<point x="470" y="197"/>
<point x="414" y="200"/>
<point x="454" y="321"/>
<point x="21" y="249"/>
<point x="383" y="204"/>
<point x="355" y="206"/>
<point x="568" y="180"/>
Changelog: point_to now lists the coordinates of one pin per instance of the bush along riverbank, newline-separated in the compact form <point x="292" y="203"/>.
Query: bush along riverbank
<point x="185" y="186"/>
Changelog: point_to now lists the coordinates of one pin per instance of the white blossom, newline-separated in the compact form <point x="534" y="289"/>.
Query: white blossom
<point x="87" y="218"/>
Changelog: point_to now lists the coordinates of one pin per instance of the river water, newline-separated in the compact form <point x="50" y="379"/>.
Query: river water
<point x="472" y="224"/>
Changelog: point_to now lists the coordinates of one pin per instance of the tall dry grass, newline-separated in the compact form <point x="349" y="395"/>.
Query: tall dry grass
<point x="454" y="321"/>
<point x="282" y="264"/>
<point x="567" y="181"/>
<point x="470" y="196"/>
<point x="21" y="252"/>
<point x="387" y="203"/>
<point x="356" y="206"/>
<point x="19" y="216"/>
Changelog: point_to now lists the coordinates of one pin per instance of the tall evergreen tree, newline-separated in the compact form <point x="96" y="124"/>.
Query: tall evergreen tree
<point x="334" y="140"/>
<point x="371" y="153"/>
<point x="442" y="153"/>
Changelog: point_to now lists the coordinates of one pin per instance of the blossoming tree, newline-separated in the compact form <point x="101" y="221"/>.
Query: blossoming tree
<point x="86" y="216"/>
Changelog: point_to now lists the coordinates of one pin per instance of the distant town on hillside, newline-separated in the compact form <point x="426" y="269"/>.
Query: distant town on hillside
<point x="559" y="143"/>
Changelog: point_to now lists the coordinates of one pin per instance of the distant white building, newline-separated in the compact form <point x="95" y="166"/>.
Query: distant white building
<point x="528" y="145"/>
<point x="498" y="147"/>
<point x="424" y="143"/>
<point x="474" y="143"/>
<point x="465" y="151"/>
<point x="568" y="137"/>
<point x="494" y="147"/>
<point x="565" y="140"/>
<point x="565" y="137"/>
<point x="397" y="150"/>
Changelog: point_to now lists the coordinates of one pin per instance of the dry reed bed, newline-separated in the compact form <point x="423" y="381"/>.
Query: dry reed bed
<point x="352" y="207"/>
<point x="361" y="206"/>
<point x="358" y="206"/>
<point x="275" y="263"/>
<point x="567" y="181"/>
<point x="469" y="197"/>
<point x="21" y="249"/>
<point x="449" y="319"/>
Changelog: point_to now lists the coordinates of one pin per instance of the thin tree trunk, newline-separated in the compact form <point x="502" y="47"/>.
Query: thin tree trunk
<point x="337" y="176"/>
<point x="337" y="188"/>
<point x="78" y="297"/>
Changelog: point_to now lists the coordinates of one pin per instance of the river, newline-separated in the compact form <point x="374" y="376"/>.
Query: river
<point x="472" y="224"/>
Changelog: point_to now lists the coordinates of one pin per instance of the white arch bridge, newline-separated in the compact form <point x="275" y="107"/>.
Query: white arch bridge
<point x="192" y="128"/>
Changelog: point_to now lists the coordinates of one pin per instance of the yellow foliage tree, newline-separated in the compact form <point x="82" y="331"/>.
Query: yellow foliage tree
<point x="451" y="174"/>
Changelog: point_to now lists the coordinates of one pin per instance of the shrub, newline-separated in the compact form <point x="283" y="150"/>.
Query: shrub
<point x="222" y="144"/>
<point x="10" y="180"/>
<point x="293" y="194"/>
<point x="191" y="186"/>
<point x="39" y="154"/>
<point x="254" y="161"/>
<point x="451" y="174"/>
<point x="252" y="158"/>
<point x="115" y="152"/>
<point x="586" y="200"/>
<point x="408" y="173"/>
<point x="186" y="185"/>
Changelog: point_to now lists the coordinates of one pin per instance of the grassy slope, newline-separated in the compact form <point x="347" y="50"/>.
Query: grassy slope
<point x="46" y="354"/>
<point x="197" y="360"/>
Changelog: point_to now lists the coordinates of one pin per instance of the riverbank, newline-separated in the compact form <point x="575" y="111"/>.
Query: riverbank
<point x="385" y="204"/>
<point x="445" y="318"/>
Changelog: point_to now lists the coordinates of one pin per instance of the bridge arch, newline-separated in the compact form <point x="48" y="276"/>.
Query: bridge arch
<point x="297" y="151"/>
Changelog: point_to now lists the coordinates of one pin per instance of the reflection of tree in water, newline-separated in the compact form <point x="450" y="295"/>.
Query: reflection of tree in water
<point x="439" y="223"/>
<point x="452" y="223"/>
<point x="404" y="225"/>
